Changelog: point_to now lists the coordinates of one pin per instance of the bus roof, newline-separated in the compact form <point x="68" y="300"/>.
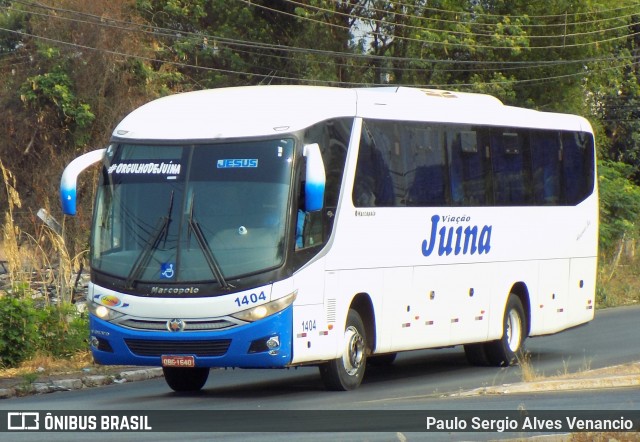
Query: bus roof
<point x="257" y="111"/>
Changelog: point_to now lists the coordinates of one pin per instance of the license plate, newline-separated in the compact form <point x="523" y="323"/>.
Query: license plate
<point x="178" y="361"/>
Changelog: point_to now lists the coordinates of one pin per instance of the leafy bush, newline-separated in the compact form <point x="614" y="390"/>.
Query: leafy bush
<point x="62" y="331"/>
<point x="619" y="203"/>
<point x="18" y="330"/>
<point x="26" y="329"/>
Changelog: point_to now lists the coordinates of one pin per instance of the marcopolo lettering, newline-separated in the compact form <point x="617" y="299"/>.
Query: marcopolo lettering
<point x="457" y="239"/>
<point x="174" y="290"/>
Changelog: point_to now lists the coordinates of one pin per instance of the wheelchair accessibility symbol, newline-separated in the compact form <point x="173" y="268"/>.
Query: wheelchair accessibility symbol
<point x="166" y="270"/>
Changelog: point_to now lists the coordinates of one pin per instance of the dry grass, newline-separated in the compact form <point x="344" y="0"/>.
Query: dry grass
<point x="34" y="263"/>
<point x="528" y="373"/>
<point x="10" y="232"/>
<point x="28" y="254"/>
<point x="47" y="365"/>
<point x="620" y="285"/>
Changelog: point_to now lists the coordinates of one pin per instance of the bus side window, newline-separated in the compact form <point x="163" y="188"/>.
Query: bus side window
<point x="373" y="185"/>
<point x="469" y="172"/>
<point x="308" y="225"/>
<point x="511" y="172"/>
<point x="426" y="169"/>
<point x="577" y="159"/>
<point x="312" y="228"/>
<point x="546" y="157"/>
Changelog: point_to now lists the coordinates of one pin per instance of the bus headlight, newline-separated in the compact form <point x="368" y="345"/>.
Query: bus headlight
<point x="268" y="309"/>
<point x="103" y="312"/>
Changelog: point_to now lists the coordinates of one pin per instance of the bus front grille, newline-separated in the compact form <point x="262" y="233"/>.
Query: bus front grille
<point x="145" y="347"/>
<point x="190" y="325"/>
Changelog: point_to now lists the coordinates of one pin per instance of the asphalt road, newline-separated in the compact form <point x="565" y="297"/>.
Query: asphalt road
<point x="418" y="381"/>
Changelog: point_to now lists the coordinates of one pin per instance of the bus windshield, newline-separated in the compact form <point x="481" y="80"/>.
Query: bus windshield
<point x="192" y="213"/>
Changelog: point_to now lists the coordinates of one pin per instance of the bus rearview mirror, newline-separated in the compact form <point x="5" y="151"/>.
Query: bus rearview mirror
<point x="68" y="182"/>
<point x="315" y="178"/>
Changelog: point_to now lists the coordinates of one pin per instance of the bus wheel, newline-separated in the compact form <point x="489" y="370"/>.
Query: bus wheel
<point x="185" y="379"/>
<point x="506" y="350"/>
<point x="346" y="372"/>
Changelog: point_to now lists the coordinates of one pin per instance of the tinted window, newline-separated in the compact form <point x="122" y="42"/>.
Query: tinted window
<point x="376" y="182"/>
<point x="424" y="164"/>
<point x="401" y="164"/>
<point x="426" y="171"/>
<point x="469" y="169"/>
<point x="511" y="168"/>
<point x="312" y="228"/>
<point x="577" y="159"/>
<point x="546" y="161"/>
<point x="333" y="138"/>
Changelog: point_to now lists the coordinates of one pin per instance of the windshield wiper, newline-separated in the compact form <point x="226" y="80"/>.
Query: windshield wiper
<point x="212" y="262"/>
<point x="162" y="229"/>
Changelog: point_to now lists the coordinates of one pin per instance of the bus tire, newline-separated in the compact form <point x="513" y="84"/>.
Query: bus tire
<point x="346" y="372"/>
<point x="185" y="379"/>
<point x="506" y="350"/>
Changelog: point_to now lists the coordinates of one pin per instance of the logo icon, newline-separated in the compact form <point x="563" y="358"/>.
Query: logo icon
<point x="23" y="421"/>
<point x="175" y="325"/>
<point x="166" y="270"/>
<point x="110" y="301"/>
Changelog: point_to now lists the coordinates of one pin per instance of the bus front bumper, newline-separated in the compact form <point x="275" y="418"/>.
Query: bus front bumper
<point x="262" y="344"/>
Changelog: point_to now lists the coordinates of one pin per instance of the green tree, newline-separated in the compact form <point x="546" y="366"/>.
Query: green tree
<point x="54" y="89"/>
<point x="217" y="43"/>
<point x="619" y="203"/>
<point x="330" y="30"/>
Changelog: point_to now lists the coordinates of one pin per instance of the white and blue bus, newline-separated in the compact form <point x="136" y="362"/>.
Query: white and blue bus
<point x="279" y="226"/>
